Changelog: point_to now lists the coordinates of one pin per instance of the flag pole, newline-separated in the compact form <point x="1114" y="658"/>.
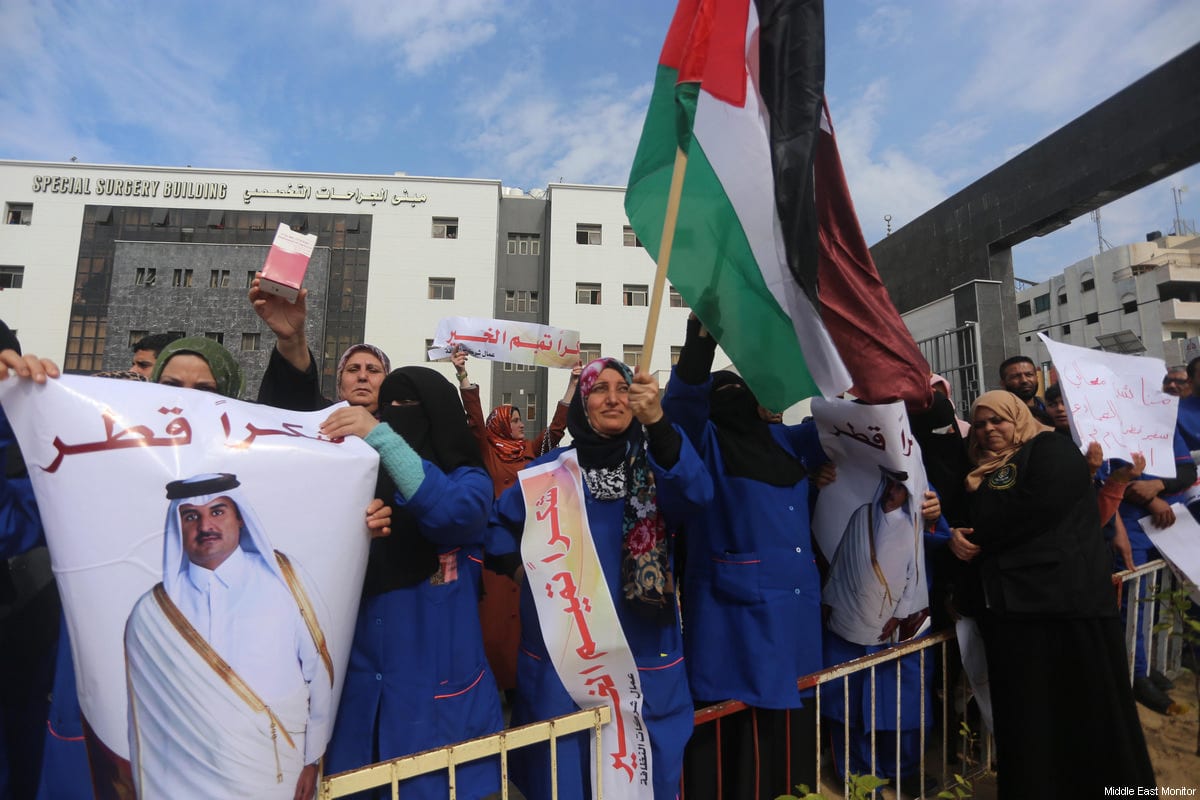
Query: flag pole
<point x="664" y="255"/>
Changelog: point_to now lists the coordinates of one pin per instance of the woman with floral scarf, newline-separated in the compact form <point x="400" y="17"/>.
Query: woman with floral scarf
<point x="641" y="480"/>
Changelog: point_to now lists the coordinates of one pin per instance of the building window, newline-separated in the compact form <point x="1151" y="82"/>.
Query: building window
<point x="445" y="227"/>
<point x="1179" y="334"/>
<point x="589" y="352"/>
<point x="216" y="336"/>
<point x="630" y="238"/>
<point x="441" y="288"/>
<point x="587" y="294"/>
<point x="1129" y="306"/>
<point x="181" y="277"/>
<point x="250" y="277"/>
<point x="520" y="300"/>
<point x="1066" y="329"/>
<point x="251" y="341"/>
<point x="524" y="244"/>
<point x="631" y="354"/>
<point x="675" y="353"/>
<point x="12" y="277"/>
<point x="187" y="234"/>
<point x="1092" y="319"/>
<point x="145" y="276"/>
<point x="1023" y="310"/>
<point x="18" y="213"/>
<point x="506" y="398"/>
<point x="635" y="295"/>
<point x="530" y="408"/>
<point x="1041" y="303"/>
<point x="218" y="279"/>
<point x="675" y="298"/>
<point x="506" y="367"/>
<point x="587" y="234"/>
<point x="137" y="336"/>
<point x="1062" y="298"/>
<point x="1087" y="283"/>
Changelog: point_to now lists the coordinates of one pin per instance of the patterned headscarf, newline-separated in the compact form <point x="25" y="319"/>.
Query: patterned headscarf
<point x="498" y="429"/>
<point x="617" y="467"/>
<point x="225" y="369"/>
<point x="362" y="347"/>
<point x="1007" y="406"/>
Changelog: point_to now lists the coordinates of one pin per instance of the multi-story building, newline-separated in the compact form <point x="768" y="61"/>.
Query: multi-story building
<point x="1150" y="289"/>
<point x="92" y="257"/>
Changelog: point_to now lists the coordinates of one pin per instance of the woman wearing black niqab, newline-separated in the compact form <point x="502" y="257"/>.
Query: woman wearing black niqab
<point x="418" y="677"/>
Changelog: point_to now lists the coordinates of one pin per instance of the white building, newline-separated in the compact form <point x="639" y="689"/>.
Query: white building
<point x="93" y="256"/>
<point x="1150" y="288"/>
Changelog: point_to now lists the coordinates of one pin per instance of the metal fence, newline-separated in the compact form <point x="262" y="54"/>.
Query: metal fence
<point x="952" y="738"/>
<point x="1164" y="649"/>
<point x="957" y="355"/>
<point x="390" y="773"/>
<point x="945" y="746"/>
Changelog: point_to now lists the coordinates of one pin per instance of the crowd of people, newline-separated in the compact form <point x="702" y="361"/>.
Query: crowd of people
<point x="699" y="506"/>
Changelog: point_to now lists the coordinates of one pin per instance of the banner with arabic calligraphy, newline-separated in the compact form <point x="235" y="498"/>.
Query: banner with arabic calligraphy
<point x="579" y="621"/>
<point x="1118" y="401"/>
<point x="865" y="441"/>
<point x="507" y="341"/>
<point x="100" y="453"/>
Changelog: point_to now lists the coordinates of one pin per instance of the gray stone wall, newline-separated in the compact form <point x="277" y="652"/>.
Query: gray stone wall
<point x="199" y="309"/>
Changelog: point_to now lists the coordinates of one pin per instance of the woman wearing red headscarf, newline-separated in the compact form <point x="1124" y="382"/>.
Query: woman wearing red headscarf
<point x="505" y="451"/>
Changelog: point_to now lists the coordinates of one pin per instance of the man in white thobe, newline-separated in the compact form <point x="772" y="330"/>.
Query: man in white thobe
<point x="230" y="679"/>
<point x="876" y="579"/>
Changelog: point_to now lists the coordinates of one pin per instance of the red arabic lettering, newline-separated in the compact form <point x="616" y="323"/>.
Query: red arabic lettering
<point x="178" y="433"/>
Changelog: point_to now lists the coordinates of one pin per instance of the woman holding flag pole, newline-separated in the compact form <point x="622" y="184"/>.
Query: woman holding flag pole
<point x="594" y="525"/>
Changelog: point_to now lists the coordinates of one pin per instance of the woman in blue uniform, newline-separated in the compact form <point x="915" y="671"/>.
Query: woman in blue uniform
<point x="624" y="461"/>
<point x="751" y="584"/>
<point x="418" y="677"/>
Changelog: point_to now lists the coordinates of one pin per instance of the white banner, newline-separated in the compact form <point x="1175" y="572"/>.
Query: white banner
<point x="506" y="341"/>
<point x="1180" y="545"/>
<point x="579" y="622"/>
<point x="1118" y="401"/>
<point x="871" y="535"/>
<point x="100" y="453"/>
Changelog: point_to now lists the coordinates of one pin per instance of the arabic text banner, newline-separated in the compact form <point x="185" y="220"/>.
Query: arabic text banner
<point x="506" y="341"/>
<point x="1118" y="401"/>
<point x="1180" y="545"/>
<point x="100" y="453"/>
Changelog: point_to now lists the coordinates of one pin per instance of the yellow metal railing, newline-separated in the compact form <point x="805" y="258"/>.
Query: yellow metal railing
<point x="390" y="773"/>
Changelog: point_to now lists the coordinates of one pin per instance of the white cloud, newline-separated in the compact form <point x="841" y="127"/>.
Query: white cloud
<point x="882" y="180"/>
<point x="886" y="25"/>
<point x="424" y="33"/>
<point x="523" y="130"/>
<point x="92" y="69"/>
<point x="1061" y="58"/>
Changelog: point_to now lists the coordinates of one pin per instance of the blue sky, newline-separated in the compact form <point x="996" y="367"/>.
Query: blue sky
<point x="926" y="96"/>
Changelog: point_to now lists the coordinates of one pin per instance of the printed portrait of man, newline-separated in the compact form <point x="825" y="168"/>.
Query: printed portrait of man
<point x="876" y="579"/>
<point x="230" y="678"/>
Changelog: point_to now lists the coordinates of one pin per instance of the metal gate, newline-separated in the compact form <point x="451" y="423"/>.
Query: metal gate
<point x="957" y="356"/>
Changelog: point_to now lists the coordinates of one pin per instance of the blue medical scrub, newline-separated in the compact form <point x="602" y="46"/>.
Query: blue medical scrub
<point x="682" y="491"/>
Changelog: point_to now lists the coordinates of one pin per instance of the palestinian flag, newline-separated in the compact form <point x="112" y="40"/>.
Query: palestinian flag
<point x="767" y="249"/>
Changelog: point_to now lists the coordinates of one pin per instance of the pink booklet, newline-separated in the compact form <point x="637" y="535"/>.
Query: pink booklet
<point x="283" y="272"/>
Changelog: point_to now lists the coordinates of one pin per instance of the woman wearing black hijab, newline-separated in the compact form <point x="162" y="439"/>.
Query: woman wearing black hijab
<point x="418" y="677"/>
<point x="640" y="480"/>
<point x="751" y="584"/>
